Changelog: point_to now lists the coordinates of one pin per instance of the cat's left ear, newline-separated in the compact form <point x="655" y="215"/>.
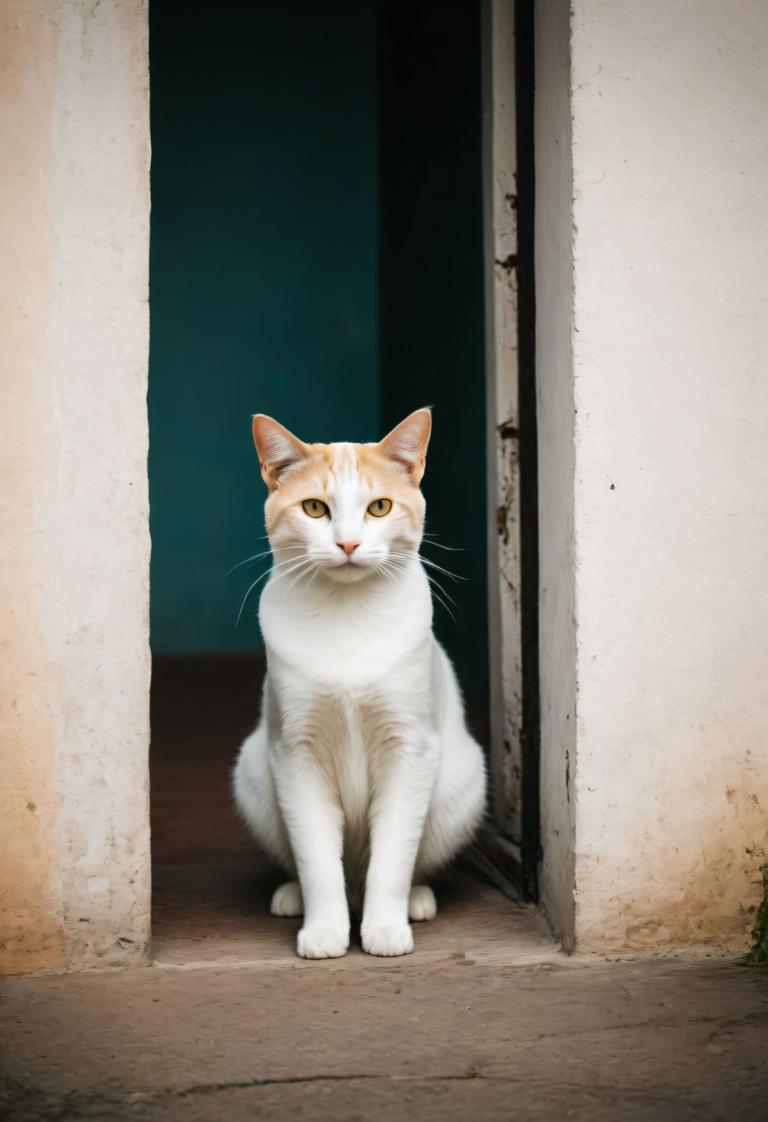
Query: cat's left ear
<point x="278" y="448"/>
<point x="407" y="443"/>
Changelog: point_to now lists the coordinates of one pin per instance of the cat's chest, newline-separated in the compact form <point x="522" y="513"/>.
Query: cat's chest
<point x="342" y="735"/>
<point x="349" y="717"/>
<point x="347" y="650"/>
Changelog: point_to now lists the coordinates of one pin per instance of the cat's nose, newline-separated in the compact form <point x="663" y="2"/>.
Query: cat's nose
<point x="348" y="547"/>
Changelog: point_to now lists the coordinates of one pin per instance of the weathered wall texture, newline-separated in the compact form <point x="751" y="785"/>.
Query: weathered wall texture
<point x="554" y="388"/>
<point x="670" y="500"/>
<point x="502" y="415"/>
<point x="74" y="664"/>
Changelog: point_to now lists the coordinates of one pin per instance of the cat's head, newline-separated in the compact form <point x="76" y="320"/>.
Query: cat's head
<point x="349" y="510"/>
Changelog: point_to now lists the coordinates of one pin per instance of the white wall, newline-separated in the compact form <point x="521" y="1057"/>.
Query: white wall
<point x="652" y="156"/>
<point x="669" y="383"/>
<point x="74" y="660"/>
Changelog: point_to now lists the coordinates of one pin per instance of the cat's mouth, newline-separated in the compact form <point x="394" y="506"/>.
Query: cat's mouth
<point x="348" y="571"/>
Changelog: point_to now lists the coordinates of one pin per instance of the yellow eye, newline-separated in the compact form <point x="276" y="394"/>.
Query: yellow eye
<point x="380" y="507"/>
<point x="315" y="508"/>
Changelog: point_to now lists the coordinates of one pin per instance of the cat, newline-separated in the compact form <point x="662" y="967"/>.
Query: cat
<point x="361" y="777"/>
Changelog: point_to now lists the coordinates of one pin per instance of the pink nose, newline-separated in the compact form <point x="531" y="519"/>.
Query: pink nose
<point x="348" y="547"/>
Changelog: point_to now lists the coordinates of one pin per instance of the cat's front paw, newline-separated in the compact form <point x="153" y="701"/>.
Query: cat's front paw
<point x="287" y="900"/>
<point x="421" y="903"/>
<point x="389" y="940"/>
<point x="316" y="941"/>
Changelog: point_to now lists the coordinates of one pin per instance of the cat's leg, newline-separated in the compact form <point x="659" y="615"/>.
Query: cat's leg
<point x="455" y="810"/>
<point x="457" y="803"/>
<point x="256" y="799"/>
<point x="421" y="903"/>
<point x="287" y="900"/>
<point x="402" y="790"/>
<point x="314" y="822"/>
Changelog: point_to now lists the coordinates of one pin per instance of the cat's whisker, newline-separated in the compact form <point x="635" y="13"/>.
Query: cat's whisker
<point x="395" y="560"/>
<point x="286" y="568"/>
<point x="273" y="569"/>
<point x="311" y="579"/>
<point x="441" y="569"/>
<point x="428" y="535"/>
<point x="247" y="561"/>
<point x="396" y="563"/>
<point x="428" y="539"/>
<point x="304" y="568"/>
<point x="275" y="564"/>
<point x="245" y="598"/>
<point x="439" y="598"/>
<point x="431" y="564"/>
<point x="438" y="588"/>
<point x="390" y="571"/>
<point x="435" y="584"/>
<point x="392" y="568"/>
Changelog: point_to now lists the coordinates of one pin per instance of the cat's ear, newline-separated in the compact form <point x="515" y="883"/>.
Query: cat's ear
<point x="278" y="448"/>
<point x="407" y="443"/>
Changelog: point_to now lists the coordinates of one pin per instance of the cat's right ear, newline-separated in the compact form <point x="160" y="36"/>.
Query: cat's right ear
<point x="278" y="448"/>
<point x="407" y="443"/>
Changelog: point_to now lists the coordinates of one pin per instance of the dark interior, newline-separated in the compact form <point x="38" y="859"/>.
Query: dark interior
<point x="316" y="254"/>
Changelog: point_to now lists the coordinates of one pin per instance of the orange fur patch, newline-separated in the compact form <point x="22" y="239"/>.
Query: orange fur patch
<point x="313" y="477"/>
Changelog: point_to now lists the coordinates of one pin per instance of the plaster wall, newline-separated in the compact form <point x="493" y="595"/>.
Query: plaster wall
<point x="669" y="153"/>
<point x="74" y="656"/>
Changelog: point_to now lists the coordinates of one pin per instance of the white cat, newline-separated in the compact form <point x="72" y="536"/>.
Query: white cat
<point x="361" y="775"/>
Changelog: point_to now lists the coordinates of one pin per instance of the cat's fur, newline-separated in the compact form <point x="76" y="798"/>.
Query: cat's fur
<point x="361" y="777"/>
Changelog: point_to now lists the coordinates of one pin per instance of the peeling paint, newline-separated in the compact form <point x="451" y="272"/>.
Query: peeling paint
<point x="502" y="395"/>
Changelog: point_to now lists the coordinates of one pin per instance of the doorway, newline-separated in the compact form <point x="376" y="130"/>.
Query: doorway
<point x="317" y="254"/>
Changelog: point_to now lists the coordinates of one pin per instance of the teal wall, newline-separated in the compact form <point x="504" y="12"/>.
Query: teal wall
<point x="315" y="254"/>
<point x="262" y="278"/>
<point x="431" y="309"/>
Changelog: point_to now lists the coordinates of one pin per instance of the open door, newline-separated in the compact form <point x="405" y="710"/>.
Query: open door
<point x="513" y="845"/>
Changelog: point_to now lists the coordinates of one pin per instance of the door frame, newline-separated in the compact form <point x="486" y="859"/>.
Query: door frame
<point x="513" y="843"/>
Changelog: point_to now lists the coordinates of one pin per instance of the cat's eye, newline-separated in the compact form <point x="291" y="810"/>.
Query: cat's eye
<point x="315" y="508"/>
<point x="379" y="507"/>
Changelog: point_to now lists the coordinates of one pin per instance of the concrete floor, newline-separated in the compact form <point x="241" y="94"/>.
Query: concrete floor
<point x="438" y="1037"/>
<point x="486" y="1019"/>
